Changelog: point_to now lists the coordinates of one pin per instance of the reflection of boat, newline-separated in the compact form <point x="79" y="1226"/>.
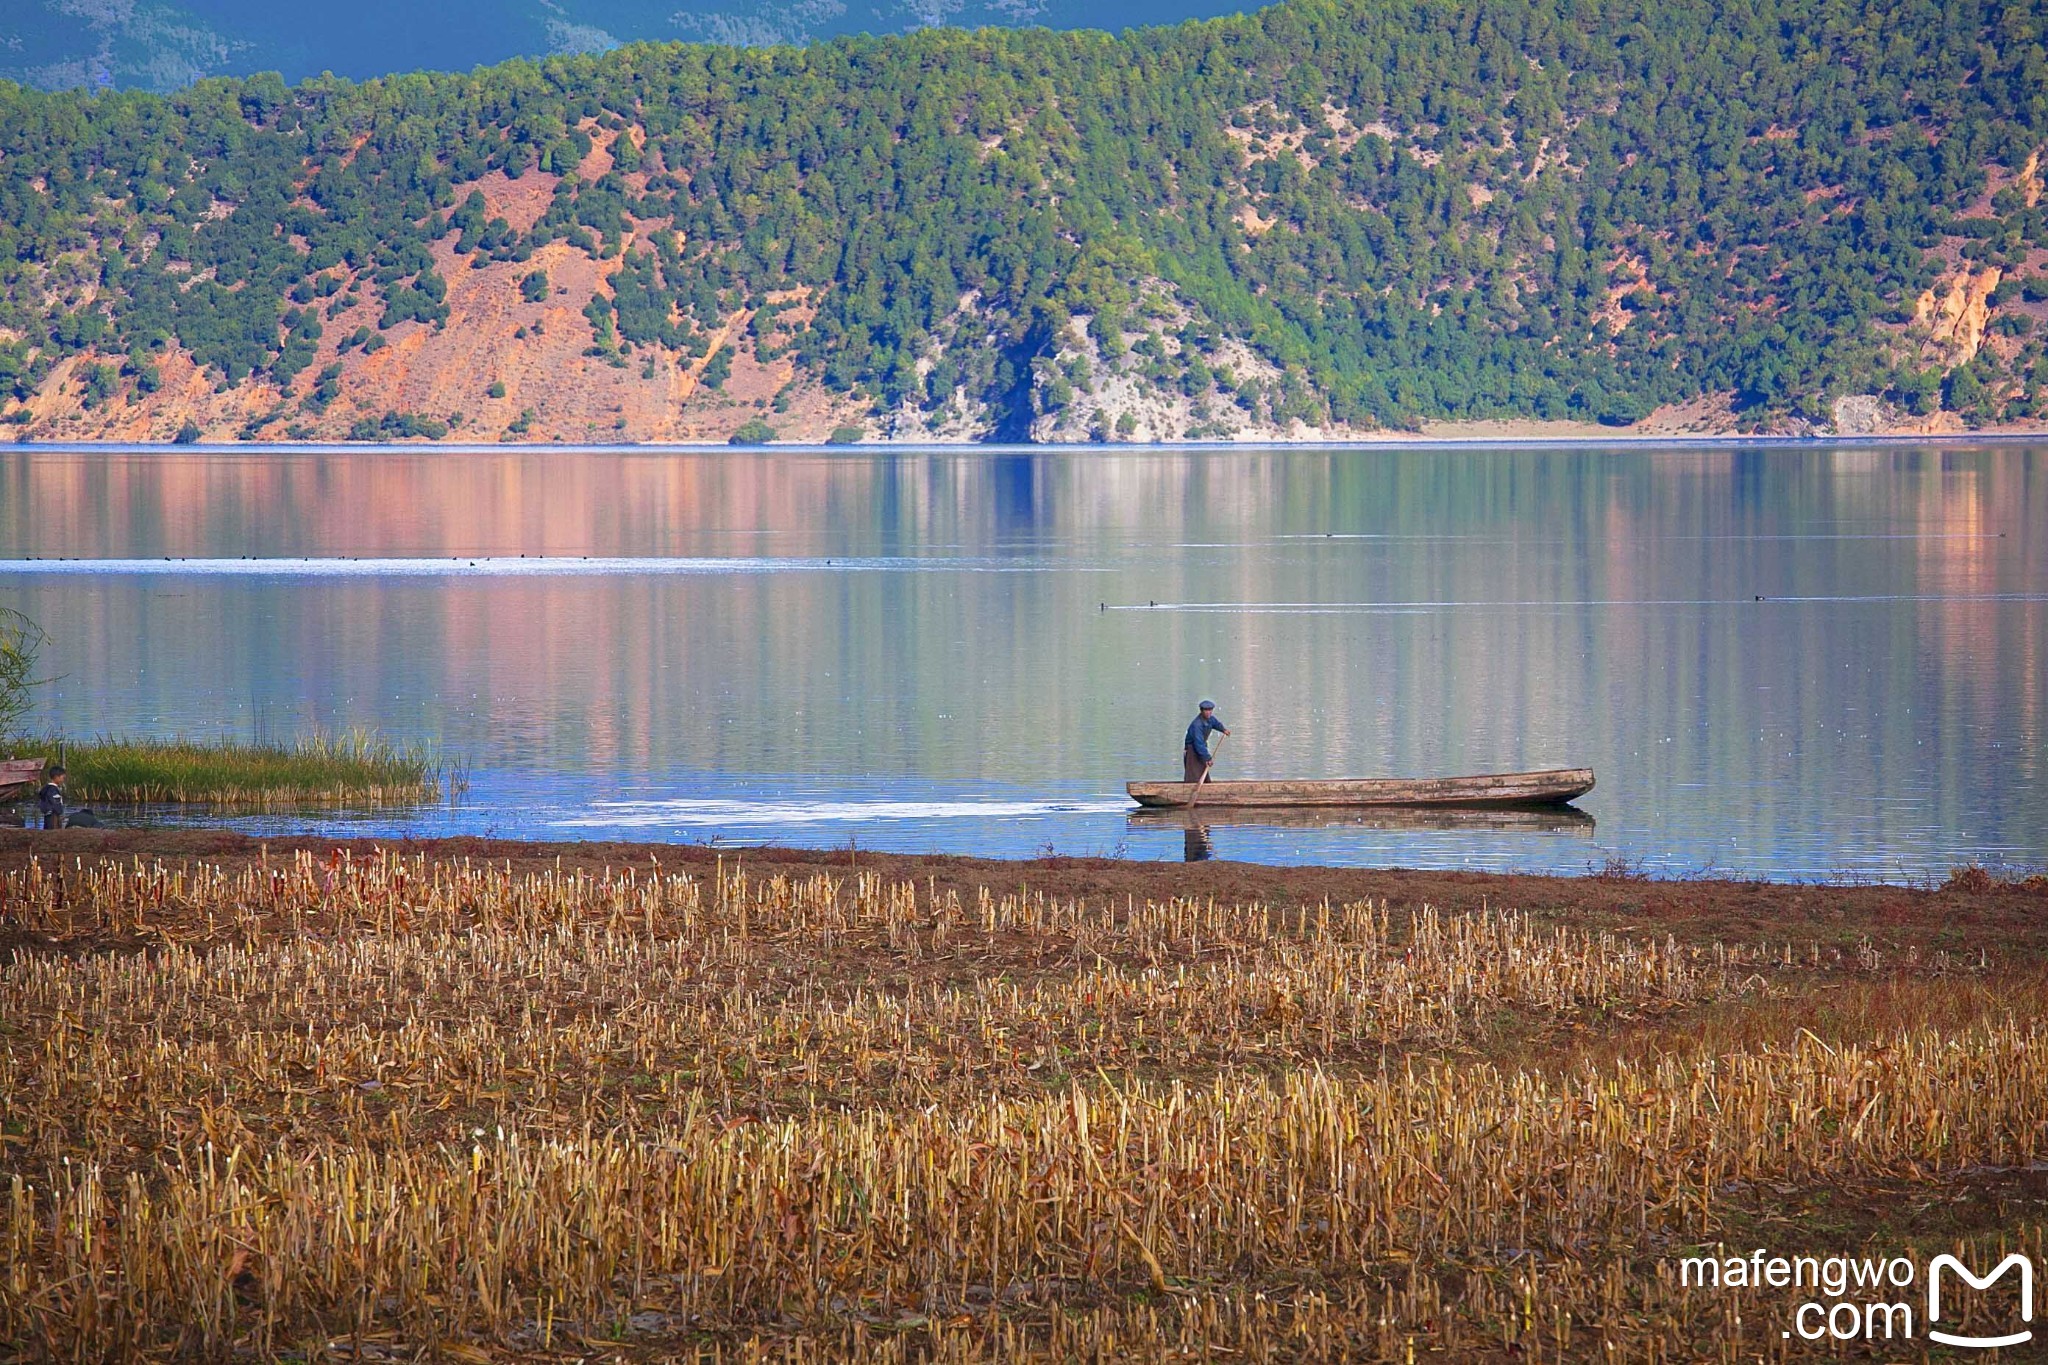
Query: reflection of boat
<point x="1537" y="820"/>
<point x="1551" y="788"/>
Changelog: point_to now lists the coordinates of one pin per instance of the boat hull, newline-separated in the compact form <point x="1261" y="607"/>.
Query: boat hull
<point x="1553" y="787"/>
<point x="19" y="777"/>
<point x="1390" y="819"/>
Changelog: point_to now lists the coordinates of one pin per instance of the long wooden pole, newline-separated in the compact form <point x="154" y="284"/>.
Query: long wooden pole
<point x="1207" y="768"/>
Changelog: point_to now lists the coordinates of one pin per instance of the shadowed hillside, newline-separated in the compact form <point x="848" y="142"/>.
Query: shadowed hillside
<point x="164" y="45"/>
<point x="1319" y="219"/>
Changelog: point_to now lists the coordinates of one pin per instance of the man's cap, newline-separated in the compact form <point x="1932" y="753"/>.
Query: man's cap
<point x="1208" y="706"/>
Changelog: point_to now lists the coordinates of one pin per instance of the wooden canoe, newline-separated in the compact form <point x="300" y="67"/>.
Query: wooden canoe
<point x="1552" y="788"/>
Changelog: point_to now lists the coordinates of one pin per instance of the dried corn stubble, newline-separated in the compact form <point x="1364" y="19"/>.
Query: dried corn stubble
<point x="808" y="1218"/>
<point x="587" y="1017"/>
<point x="332" y="1016"/>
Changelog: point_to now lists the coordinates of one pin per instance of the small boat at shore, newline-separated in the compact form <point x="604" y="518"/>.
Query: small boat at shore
<point x="1553" y="787"/>
<point x="19" y="777"/>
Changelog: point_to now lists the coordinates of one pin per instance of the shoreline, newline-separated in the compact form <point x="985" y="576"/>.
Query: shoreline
<point x="1400" y="442"/>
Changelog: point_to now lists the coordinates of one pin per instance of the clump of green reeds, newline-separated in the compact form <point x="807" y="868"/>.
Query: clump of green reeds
<point x="356" y="768"/>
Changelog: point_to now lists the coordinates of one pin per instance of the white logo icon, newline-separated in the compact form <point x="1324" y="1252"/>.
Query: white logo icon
<point x="1939" y="1263"/>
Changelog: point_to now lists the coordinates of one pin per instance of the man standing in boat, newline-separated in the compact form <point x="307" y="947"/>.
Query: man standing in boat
<point x="1195" y="758"/>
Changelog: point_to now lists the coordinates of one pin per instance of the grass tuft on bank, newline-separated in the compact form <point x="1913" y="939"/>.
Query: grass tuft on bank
<point x="358" y="768"/>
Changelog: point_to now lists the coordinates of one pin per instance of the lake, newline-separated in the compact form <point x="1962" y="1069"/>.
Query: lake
<point x="1790" y="661"/>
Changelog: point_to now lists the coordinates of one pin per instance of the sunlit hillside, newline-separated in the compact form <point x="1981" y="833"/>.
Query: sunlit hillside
<point x="1318" y="219"/>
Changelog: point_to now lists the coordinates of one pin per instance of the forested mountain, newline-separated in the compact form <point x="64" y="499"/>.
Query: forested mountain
<point x="1324" y="216"/>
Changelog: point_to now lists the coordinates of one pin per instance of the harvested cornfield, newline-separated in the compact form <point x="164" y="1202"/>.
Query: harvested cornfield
<point x="356" y="1108"/>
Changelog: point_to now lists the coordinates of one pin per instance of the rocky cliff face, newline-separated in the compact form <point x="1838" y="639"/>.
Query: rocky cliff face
<point x="1956" y="311"/>
<point x="1167" y="381"/>
<point x="1160" y="376"/>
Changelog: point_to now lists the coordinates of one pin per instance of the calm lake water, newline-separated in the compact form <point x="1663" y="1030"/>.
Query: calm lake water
<point x="1792" y="661"/>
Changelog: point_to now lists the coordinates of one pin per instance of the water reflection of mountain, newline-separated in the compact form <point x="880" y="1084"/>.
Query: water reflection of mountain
<point x="1355" y="611"/>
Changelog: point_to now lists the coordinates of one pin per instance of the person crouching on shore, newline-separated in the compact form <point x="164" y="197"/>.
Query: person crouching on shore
<point x="50" y="800"/>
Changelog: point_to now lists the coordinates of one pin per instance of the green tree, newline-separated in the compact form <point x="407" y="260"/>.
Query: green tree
<point x="21" y="644"/>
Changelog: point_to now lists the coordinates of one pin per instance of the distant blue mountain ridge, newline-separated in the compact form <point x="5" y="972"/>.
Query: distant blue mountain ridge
<point x="157" y="45"/>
